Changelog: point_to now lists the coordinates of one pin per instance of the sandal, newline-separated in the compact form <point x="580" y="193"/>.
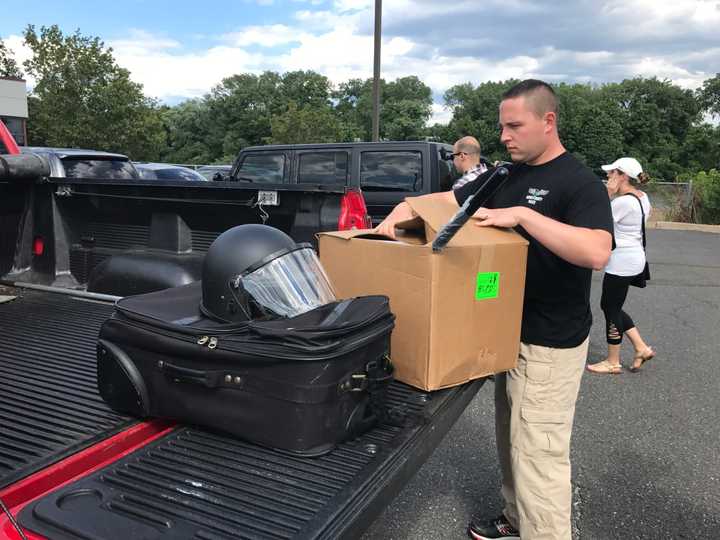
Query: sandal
<point x="605" y="368"/>
<point x="640" y="358"/>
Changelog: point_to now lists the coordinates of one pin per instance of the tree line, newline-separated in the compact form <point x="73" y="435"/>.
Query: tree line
<point x="82" y="98"/>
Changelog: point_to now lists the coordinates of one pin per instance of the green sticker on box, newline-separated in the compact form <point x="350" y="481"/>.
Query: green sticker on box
<point x="487" y="286"/>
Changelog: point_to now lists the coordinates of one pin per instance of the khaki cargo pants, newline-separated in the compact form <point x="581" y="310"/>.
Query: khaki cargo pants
<point x="534" y="410"/>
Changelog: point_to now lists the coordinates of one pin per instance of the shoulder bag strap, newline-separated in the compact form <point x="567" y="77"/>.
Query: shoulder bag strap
<point x="642" y="213"/>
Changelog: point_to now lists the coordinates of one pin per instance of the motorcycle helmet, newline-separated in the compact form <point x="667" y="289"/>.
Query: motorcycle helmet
<point x="258" y="272"/>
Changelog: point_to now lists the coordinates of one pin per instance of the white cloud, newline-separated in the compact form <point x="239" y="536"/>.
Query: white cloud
<point x="353" y="5"/>
<point x="663" y="69"/>
<point x="21" y="52"/>
<point x="16" y="44"/>
<point x="440" y="114"/>
<point x="603" y="42"/>
<point x="265" y="36"/>
<point x="165" y="73"/>
<point x="140" y="42"/>
<point x="651" y="18"/>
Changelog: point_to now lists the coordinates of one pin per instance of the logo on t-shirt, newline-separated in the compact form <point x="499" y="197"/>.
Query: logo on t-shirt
<point x="536" y="195"/>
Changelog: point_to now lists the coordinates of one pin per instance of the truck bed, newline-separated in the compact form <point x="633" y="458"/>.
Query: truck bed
<point x="188" y="483"/>
<point x="49" y="405"/>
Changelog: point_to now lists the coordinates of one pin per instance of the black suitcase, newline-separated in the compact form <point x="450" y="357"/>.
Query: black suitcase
<point x="301" y="384"/>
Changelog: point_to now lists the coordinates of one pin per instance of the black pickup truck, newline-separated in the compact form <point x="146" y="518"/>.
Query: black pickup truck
<point x="70" y="467"/>
<point x="386" y="171"/>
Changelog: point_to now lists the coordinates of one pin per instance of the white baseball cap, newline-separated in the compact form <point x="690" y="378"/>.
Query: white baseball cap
<point x="628" y="165"/>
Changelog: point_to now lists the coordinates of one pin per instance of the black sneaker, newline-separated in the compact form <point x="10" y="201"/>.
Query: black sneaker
<point x="490" y="529"/>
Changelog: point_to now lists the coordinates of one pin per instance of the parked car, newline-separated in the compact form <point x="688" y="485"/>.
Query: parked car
<point x="165" y="171"/>
<point x="82" y="163"/>
<point x="215" y="172"/>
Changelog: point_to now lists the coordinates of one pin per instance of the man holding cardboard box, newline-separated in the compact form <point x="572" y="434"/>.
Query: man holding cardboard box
<point x="563" y="210"/>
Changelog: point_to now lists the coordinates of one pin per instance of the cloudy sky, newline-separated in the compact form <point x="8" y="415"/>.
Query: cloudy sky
<point x="179" y="49"/>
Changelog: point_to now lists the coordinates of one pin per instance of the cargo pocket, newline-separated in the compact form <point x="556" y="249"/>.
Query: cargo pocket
<point x="538" y="375"/>
<point x="544" y="432"/>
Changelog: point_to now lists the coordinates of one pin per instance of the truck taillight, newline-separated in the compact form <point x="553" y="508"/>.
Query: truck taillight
<point x="353" y="212"/>
<point x="38" y="246"/>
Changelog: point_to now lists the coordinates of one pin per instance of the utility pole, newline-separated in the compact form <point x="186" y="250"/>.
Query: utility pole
<point x="376" y="73"/>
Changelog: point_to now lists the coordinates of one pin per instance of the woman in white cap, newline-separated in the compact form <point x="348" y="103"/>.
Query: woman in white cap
<point x="626" y="261"/>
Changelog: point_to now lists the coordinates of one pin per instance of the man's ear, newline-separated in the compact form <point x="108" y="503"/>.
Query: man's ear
<point x="550" y="120"/>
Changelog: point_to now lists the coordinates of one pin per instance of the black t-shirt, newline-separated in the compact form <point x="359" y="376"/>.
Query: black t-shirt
<point x="556" y="309"/>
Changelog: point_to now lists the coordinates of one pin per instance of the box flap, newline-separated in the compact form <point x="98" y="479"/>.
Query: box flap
<point x="350" y="234"/>
<point x="409" y="236"/>
<point x="436" y="213"/>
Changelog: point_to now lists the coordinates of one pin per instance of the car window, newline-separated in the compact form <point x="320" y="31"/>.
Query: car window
<point x="98" y="168"/>
<point x="323" y="168"/>
<point x="262" y="167"/>
<point x="391" y="171"/>
<point x="447" y="174"/>
<point x="179" y="173"/>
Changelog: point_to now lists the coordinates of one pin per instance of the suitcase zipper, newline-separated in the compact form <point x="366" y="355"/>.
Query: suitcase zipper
<point x="379" y="313"/>
<point x="206" y="341"/>
<point x="264" y="351"/>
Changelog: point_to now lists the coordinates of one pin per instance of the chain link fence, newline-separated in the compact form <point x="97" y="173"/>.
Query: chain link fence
<point x="671" y="201"/>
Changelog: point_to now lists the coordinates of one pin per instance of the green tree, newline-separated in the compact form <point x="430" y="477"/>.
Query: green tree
<point x="304" y="125"/>
<point x="709" y="95"/>
<point x="186" y="126"/>
<point x="243" y="105"/>
<point x="587" y="129"/>
<point x="304" y="88"/>
<point x="353" y="107"/>
<point x="8" y="65"/>
<point x="707" y="185"/>
<point x="656" y="117"/>
<point x="705" y="207"/>
<point x="701" y="148"/>
<point x="82" y="98"/>
<point x="405" y="107"/>
<point x="475" y="112"/>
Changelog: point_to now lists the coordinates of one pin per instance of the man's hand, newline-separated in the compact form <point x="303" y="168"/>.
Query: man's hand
<point x="589" y="248"/>
<point x="500" y="217"/>
<point x="402" y="212"/>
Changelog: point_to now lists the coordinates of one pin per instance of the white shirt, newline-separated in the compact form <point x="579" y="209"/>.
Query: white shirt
<point x="470" y="175"/>
<point x="628" y="257"/>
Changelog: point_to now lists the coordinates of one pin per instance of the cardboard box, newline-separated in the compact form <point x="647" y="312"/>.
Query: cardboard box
<point x="458" y="311"/>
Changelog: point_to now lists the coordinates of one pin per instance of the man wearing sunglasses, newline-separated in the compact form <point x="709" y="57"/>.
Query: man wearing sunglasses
<point x="466" y="158"/>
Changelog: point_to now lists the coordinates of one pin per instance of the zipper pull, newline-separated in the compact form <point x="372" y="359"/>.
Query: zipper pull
<point x="213" y="343"/>
<point x="203" y="340"/>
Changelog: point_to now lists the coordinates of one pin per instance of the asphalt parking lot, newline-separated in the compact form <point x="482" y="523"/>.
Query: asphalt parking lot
<point x="646" y="446"/>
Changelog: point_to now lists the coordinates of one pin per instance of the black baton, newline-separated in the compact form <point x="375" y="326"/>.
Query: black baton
<point x="470" y="206"/>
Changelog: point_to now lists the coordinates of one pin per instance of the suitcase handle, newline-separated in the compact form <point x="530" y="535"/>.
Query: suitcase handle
<point x="185" y="375"/>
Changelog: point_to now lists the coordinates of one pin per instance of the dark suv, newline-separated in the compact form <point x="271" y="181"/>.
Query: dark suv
<point x="386" y="172"/>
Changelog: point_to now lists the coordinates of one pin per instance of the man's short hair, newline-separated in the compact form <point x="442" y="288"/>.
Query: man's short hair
<point x="469" y="145"/>
<point x="539" y="95"/>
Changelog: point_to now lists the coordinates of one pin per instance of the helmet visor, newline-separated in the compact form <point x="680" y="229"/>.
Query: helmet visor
<point x="290" y="285"/>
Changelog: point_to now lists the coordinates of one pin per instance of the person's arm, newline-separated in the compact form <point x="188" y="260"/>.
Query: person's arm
<point x="589" y="248"/>
<point x="403" y="212"/>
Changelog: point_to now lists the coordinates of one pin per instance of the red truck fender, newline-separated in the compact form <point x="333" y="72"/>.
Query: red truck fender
<point x="7" y="141"/>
